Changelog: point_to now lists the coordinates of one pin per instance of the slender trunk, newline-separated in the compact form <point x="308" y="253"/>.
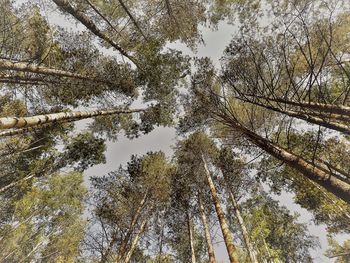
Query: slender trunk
<point x="125" y="240"/>
<point x="12" y="132"/>
<point x="161" y="241"/>
<point x="312" y="119"/>
<point x="228" y="237"/>
<point x="15" y="183"/>
<point x="132" y="18"/>
<point x="339" y="255"/>
<point x="22" y="82"/>
<point x="89" y="24"/>
<point x="27" y="67"/>
<point x="24" y="122"/>
<point x="208" y="239"/>
<point x="334" y="185"/>
<point x="241" y="223"/>
<point x="343" y="174"/>
<point x="321" y="107"/>
<point x="190" y="236"/>
<point x="135" y="241"/>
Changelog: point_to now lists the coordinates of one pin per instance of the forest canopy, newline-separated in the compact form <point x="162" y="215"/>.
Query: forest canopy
<point x="262" y="136"/>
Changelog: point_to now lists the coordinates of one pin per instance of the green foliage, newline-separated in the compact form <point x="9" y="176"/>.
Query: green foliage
<point x="47" y="221"/>
<point x="86" y="150"/>
<point x="276" y="233"/>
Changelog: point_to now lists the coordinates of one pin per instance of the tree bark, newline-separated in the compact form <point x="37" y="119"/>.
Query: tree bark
<point x="135" y="241"/>
<point x="13" y="132"/>
<point x="25" y="122"/>
<point x="89" y="24"/>
<point x="190" y="236"/>
<point x="15" y="183"/>
<point x="228" y="237"/>
<point x="208" y="239"/>
<point x="27" y="67"/>
<point x="306" y="117"/>
<point x="124" y="243"/>
<point x="321" y="107"/>
<point x="241" y="223"/>
<point x="312" y="172"/>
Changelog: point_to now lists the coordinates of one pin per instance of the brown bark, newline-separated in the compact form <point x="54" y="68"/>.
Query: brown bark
<point x="241" y="223"/>
<point x="25" y="122"/>
<point x="321" y="107"/>
<point x="228" y="237"/>
<point x="123" y="246"/>
<point x="190" y="236"/>
<point x="126" y="239"/>
<point x="208" y="239"/>
<point x="89" y="24"/>
<point x="135" y="241"/>
<point x="312" y="119"/>
<point x="312" y="172"/>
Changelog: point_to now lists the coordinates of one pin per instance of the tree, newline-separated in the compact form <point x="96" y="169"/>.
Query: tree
<point x="144" y="182"/>
<point x="232" y="170"/>
<point x="222" y="110"/>
<point x="194" y="152"/>
<point x="278" y="235"/>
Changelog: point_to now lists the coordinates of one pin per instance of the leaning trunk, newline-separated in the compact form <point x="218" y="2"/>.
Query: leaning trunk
<point x="228" y="237"/>
<point x="321" y="107"/>
<point x="190" y="236"/>
<point x="334" y="185"/>
<point x="208" y="239"/>
<point x="125" y="241"/>
<point x="241" y="223"/>
<point x="123" y="246"/>
<point x="6" y="64"/>
<point x="25" y="122"/>
<point x="320" y="120"/>
<point x="132" y="18"/>
<point x="89" y="24"/>
<point x="135" y="241"/>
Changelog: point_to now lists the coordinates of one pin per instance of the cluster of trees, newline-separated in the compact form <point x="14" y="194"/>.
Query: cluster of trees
<point x="275" y="118"/>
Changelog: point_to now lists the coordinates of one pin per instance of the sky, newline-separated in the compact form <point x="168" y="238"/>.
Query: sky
<point x="163" y="138"/>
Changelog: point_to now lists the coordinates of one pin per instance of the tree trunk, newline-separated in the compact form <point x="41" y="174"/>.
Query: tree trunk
<point x="306" y="117"/>
<point x="125" y="240"/>
<point x="12" y="132"/>
<point x="132" y="18"/>
<point x="24" y="122"/>
<point x="89" y="24"/>
<point x="135" y="241"/>
<point x="27" y="67"/>
<point x="161" y="239"/>
<point x="228" y="237"/>
<point x="190" y="236"/>
<point x="312" y="172"/>
<point x="241" y="223"/>
<point x="208" y="239"/>
<point x="321" y="107"/>
<point x="15" y="183"/>
<point x="123" y="246"/>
